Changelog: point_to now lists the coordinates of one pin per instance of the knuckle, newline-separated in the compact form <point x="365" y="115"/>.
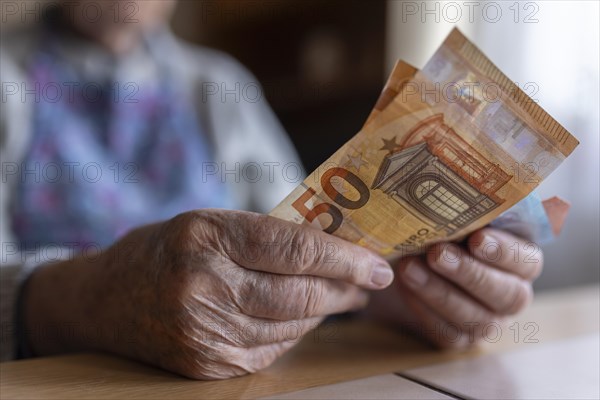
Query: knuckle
<point x="245" y="294"/>
<point x="258" y="294"/>
<point x="534" y="264"/>
<point x="203" y="360"/>
<point x="279" y="298"/>
<point x="357" y="268"/>
<point x="476" y="277"/>
<point x="533" y="271"/>
<point x="187" y="238"/>
<point x="441" y="295"/>
<point x="190" y="224"/>
<point x="358" y="276"/>
<point x="311" y="298"/>
<point x="522" y="297"/>
<point x="303" y="251"/>
<point x="235" y="357"/>
<point x="225" y="362"/>
<point x="260" y="358"/>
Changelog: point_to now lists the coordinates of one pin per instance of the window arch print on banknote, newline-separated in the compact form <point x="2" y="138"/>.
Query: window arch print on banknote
<point x="437" y="198"/>
<point x="439" y="177"/>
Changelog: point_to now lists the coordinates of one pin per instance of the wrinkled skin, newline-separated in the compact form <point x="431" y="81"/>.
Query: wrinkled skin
<point x="209" y="294"/>
<point x="214" y="294"/>
<point x="451" y="294"/>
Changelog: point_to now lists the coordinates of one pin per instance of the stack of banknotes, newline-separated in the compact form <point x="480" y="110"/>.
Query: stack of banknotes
<point x="446" y="150"/>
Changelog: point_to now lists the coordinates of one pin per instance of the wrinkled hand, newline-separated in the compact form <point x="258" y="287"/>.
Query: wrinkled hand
<point x="212" y="293"/>
<point x="451" y="295"/>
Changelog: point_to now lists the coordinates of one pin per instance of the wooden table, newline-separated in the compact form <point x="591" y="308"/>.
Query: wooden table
<point x="344" y="351"/>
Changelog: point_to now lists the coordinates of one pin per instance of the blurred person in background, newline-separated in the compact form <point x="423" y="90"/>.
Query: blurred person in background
<point x="116" y="162"/>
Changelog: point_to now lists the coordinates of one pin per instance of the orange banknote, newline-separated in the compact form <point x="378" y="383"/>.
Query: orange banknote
<point x="447" y="150"/>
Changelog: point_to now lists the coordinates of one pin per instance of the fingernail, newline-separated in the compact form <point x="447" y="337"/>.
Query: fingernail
<point x="415" y="275"/>
<point x="490" y="248"/>
<point x="381" y="276"/>
<point x="449" y="259"/>
<point x="487" y="241"/>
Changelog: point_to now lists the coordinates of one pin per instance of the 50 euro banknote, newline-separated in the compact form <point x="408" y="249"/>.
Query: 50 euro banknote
<point x="531" y="218"/>
<point x="446" y="151"/>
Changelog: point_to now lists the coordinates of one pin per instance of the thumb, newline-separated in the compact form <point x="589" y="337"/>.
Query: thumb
<point x="268" y="244"/>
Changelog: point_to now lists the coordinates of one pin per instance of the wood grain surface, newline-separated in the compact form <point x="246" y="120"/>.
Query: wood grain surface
<point x="348" y="349"/>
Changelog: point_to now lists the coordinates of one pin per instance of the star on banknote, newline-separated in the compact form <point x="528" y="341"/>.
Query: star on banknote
<point x="389" y="144"/>
<point x="356" y="161"/>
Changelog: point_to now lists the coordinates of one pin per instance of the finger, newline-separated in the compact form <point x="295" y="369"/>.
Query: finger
<point x="507" y="252"/>
<point x="501" y="291"/>
<point x="260" y="357"/>
<point x="432" y="327"/>
<point x="440" y="295"/>
<point x="286" y="298"/>
<point x="232" y="361"/>
<point x="268" y="244"/>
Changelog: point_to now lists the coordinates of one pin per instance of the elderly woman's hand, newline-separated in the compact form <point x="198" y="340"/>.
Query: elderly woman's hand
<point x="453" y="294"/>
<point x="209" y="294"/>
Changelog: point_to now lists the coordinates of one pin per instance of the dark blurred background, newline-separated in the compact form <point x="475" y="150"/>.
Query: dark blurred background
<point x="321" y="63"/>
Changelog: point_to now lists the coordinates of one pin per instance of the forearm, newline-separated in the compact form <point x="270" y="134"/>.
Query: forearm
<point x="54" y="308"/>
<point x="92" y="302"/>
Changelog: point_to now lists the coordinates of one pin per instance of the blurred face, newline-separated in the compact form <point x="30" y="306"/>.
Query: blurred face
<point x="118" y="23"/>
